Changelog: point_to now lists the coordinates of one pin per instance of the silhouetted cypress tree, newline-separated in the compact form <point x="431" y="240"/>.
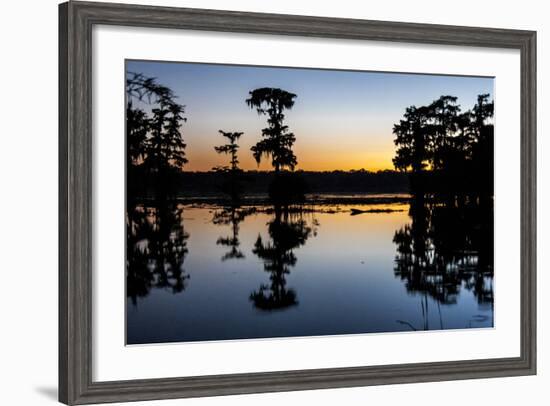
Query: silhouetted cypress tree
<point x="157" y="140"/>
<point x="230" y="148"/>
<point x="277" y="141"/>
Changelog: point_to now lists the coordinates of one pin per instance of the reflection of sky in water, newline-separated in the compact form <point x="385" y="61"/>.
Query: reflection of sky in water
<point x="343" y="279"/>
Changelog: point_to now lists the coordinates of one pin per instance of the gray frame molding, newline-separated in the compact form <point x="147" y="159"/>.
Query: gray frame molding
<point x="75" y="180"/>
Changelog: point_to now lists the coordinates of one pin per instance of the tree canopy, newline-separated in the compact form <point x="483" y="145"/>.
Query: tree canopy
<point x="440" y="136"/>
<point x="154" y="139"/>
<point x="277" y="140"/>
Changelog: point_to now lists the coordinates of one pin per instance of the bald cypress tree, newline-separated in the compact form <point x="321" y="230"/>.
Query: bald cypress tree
<point x="232" y="185"/>
<point x="231" y="148"/>
<point x="156" y="139"/>
<point x="411" y="139"/>
<point x="277" y="140"/>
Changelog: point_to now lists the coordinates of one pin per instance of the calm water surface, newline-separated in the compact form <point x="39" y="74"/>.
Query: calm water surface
<point x="198" y="273"/>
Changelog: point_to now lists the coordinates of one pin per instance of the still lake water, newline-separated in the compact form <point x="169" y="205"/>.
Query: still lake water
<point x="198" y="273"/>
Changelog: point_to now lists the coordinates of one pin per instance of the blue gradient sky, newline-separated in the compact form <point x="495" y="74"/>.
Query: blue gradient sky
<point x="341" y="119"/>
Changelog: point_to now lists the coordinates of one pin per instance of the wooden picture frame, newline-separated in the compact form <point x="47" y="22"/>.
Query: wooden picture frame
<point x="76" y="20"/>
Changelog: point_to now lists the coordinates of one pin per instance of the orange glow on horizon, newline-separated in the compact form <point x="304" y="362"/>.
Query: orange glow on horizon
<point x="371" y="153"/>
<point x="348" y="162"/>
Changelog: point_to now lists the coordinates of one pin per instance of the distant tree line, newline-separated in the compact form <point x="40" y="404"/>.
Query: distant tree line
<point x="258" y="183"/>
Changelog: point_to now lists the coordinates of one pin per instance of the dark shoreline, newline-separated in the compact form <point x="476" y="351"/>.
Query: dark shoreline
<point x="311" y="200"/>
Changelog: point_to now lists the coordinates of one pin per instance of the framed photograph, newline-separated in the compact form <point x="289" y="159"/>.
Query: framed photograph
<point x="260" y="202"/>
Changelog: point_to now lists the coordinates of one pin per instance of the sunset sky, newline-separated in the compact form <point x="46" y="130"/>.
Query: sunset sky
<point x="341" y="119"/>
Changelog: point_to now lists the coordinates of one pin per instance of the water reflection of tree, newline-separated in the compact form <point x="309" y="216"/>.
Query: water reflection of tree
<point x="288" y="230"/>
<point x="447" y="246"/>
<point x="232" y="216"/>
<point x="156" y="249"/>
